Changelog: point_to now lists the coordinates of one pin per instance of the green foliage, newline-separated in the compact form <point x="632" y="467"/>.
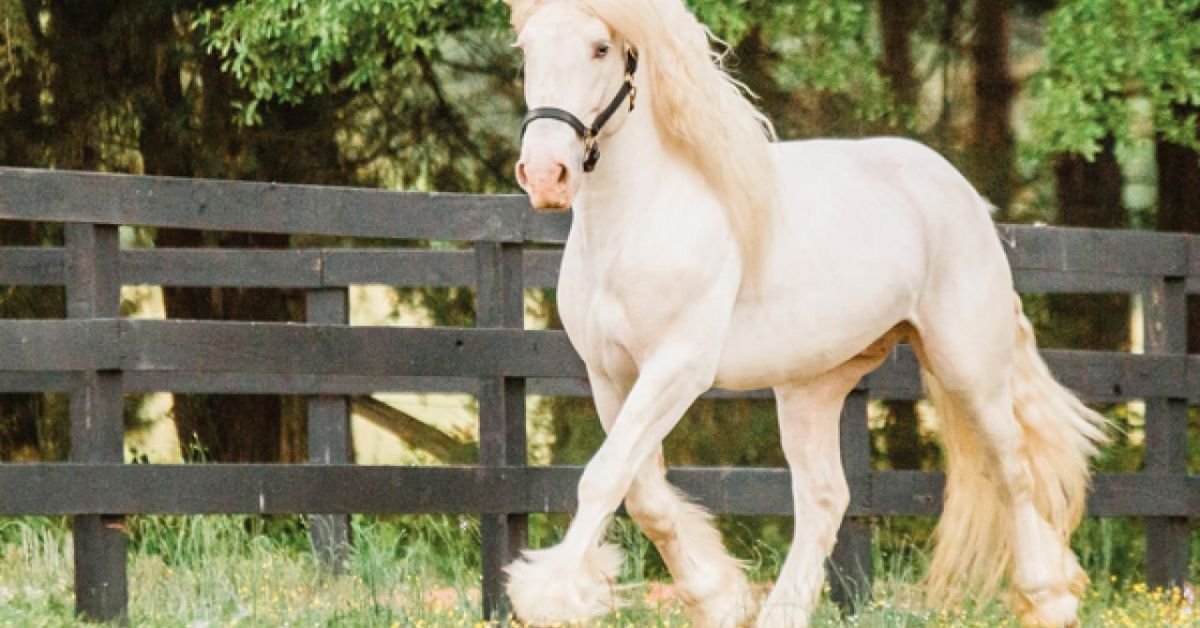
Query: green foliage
<point x="426" y="89"/>
<point x="1114" y="67"/>
<point x="285" y="50"/>
<point x="832" y="47"/>
<point x="823" y="46"/>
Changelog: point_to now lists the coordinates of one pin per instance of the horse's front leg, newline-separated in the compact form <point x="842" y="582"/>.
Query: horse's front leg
<point x="711" y="583"/>
<point x="577" y="578"/>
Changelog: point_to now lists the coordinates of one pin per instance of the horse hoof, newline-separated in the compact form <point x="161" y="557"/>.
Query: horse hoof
<point x="1052" y="612"/>
<point x="782" y="617"/>
<point x="551" y="587"/>
<point x="735" y="605"/>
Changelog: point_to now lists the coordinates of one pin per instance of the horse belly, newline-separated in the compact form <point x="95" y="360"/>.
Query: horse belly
<point x="785" y="341"/>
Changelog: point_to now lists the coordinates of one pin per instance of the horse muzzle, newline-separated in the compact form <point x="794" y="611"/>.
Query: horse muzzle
<point x="549" y="184"/>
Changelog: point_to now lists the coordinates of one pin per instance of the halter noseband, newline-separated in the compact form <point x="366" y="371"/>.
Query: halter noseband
<point x="591" y="151"/>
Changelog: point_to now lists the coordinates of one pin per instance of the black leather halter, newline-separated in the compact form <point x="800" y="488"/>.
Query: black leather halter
<point x="591" y="151"/>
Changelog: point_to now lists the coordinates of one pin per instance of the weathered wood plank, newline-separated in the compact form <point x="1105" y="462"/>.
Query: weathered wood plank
<point x="93" y="293"/>
<point x="1034" y="281"/>
<point x="304" y="268"/>
<point x="246" y="268"/>
<point x="849" y="567"/>
<point x="290" y="383"/>
<point x="305" y="384"/>
<point x="66" y="489"/>
<point x="425" y="267"/>
<point x="1104" y="251"/>
<point x="337" y="349"/>
<point x="1096" y="375"/>
<point x="36" y="381"/>
<point x="500" y="303"/>
<point x="329" y="435"/>
<point x="1167" y="538"/>
<point x="1193" y="244"/>
<point x="59" y="345"/>
<point x="329" y="349"/>
<point x="541" y="268"/>
<point x="398" y="267"/>
<point x="550" y="227"/>
<point x="32" y="266"/>
<point x="1113" y="494"/>
<point x="288" y="358"/>
<point x="57" y="196"/>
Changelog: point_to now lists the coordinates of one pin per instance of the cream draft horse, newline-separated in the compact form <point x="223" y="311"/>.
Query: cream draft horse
<point x="702" y="254"/>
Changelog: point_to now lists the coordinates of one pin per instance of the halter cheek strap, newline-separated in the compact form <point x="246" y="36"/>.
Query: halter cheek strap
<point x="591" y="151"/>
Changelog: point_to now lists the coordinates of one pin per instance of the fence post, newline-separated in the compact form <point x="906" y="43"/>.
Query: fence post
<point x="500" y="302"/>
<point x="1165" y="305"/>
<point x="329" y="437"/>
<point x="93" y="290"/>
<point x="851" y="565"/>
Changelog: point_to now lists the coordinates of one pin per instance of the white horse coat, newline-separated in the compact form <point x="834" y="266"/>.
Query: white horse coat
<point x="667" y="290"/>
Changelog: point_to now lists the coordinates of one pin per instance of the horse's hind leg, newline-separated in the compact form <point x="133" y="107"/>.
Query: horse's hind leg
<point x="1016" y="475"/>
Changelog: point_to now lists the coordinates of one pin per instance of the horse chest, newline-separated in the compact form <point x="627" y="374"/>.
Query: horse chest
<point x="615" y="317"/>
<point x="629" y="282"/>
<point x="597" y="326"/>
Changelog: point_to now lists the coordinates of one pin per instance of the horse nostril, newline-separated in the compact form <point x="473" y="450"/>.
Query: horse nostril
<point x="522" y="179"/>
<point x="562" y="174"/>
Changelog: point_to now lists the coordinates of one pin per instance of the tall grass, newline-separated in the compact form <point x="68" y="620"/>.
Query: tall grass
<point x="196" y="572"/>
<point x="199" y="572"/>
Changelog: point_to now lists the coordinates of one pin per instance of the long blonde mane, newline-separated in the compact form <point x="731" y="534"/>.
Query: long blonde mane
<point x="702" y="112"/>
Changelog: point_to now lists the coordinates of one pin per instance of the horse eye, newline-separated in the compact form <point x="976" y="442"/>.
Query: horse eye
<point x="601" y="50"/>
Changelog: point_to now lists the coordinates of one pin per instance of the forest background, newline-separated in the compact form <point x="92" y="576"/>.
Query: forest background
<point x="1069" y="112"/>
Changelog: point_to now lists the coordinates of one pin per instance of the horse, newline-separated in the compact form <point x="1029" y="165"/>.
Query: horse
<point x="704" y="253"/>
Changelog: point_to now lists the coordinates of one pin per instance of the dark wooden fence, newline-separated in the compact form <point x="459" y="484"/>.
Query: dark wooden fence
<point x="97" y="356"/>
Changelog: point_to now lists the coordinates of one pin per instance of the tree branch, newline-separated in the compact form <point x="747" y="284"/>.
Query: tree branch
<point x="413" y="431"/>
<point x="460" y="129"/>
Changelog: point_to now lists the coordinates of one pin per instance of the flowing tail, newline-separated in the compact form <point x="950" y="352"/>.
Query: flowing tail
<point x="973" y="553"/>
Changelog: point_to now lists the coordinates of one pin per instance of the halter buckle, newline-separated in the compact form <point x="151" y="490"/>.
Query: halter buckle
<point x="591" y="151"/>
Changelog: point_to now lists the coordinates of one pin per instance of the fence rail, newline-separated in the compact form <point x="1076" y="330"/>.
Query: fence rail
<point x="96" y="356"/>
<point x="138" y="489"/>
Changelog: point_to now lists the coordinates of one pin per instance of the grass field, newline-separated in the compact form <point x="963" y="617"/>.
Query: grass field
<point x="202" y="572"/>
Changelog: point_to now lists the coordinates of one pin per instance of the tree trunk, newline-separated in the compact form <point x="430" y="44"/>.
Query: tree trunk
<point x="993" y="148"/>
<point x="897" y="19"/>
<point x="292" y="144"/>
<point x="1089" y="192"/>
<point x="36" y="426"/>
<point x="1089" y="195"/>
<point x="81" y="86"/>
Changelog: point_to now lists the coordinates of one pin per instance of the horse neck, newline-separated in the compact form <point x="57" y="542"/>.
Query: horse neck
<point x="633" y="157"/>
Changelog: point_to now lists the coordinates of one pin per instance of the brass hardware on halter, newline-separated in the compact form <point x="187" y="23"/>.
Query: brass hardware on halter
<point x="591" y="151"/>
